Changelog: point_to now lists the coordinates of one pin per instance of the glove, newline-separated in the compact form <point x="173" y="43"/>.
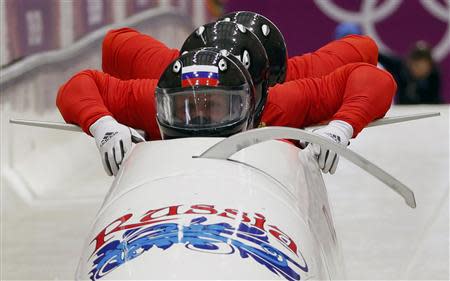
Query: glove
<point x="337" y="131"/>
<point x="113" y="141"/>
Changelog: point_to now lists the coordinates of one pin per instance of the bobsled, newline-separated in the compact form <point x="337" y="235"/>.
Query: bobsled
<point x="170" y="214"/>
<point x="250" y="206"/>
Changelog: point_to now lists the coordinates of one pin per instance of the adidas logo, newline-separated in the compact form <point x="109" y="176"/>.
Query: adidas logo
<point x="107" y="137"/>
<point x="335" y="137"/>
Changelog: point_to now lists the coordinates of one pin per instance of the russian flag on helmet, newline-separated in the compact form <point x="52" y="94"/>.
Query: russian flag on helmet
<point x="200" y="75"/>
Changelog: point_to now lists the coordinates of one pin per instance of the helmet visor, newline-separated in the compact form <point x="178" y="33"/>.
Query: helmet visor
<point x="200" y="107"/>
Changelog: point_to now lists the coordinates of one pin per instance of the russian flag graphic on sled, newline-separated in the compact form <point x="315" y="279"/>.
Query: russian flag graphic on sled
<point x="200" y="75"/>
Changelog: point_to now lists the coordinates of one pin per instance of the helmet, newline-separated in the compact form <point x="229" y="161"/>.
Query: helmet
<point x="271" y="38"/>
<point x="235" y="39"/>
<point x="204" y="93"/>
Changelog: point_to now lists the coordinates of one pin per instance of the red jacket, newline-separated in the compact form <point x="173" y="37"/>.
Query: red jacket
<point x="129" y="54"/>
<point x="336" y="88"/>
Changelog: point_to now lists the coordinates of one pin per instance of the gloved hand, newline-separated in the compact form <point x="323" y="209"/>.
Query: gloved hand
<point x="113" y="141"/>
<point x="337" y="131"/>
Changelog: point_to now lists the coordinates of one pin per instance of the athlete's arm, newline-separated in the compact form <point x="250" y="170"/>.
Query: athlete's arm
<point x="129" y="54"/>
<point x="356" y="93"/>
<point x="349" y="49"/>
<point x="90" y="95"/>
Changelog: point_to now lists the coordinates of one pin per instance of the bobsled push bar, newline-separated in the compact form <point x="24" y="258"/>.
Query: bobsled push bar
<point x="226" y="148"/>
<point x="62" y="126"/>
<point x="391" y="120"/>
<point x="229" y="146"/>
<point x="75" y="128"/>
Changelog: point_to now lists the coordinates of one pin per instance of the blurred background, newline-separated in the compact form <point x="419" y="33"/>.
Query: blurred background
<point x="35" y="26"/>
<point x="52" y="182"/>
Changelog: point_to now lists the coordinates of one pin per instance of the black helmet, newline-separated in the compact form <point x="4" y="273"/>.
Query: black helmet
<point x="234" y="38"/>
<point x="271" y="38"/>
<point x="204" y="93"/>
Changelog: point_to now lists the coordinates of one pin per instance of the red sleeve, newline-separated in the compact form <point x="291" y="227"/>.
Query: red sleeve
<point x="129" y="54"/>
<point x="356" y="93"/>
<point x="90" y="94"/>
<point x="350" y="49"/>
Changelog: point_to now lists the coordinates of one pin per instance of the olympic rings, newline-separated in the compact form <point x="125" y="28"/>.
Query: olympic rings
<point x="370" y="14"/>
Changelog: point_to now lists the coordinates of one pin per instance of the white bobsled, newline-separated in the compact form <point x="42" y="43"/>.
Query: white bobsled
<point x="172" y="215"/>
<point x="244" y="207"/>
